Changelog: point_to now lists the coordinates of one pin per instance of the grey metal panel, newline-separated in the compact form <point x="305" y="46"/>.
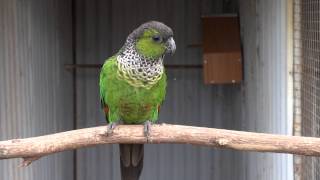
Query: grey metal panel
<point x="35" y="90"/>
<point x="101" y="30"/>
<point x="93" y="46"/>
<point x="35" y="43"/>
<point x="263" y="24"/>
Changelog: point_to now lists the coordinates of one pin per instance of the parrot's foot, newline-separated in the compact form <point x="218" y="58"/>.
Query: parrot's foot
<point x="147" y="129"/>
<point x="110" y="128"/>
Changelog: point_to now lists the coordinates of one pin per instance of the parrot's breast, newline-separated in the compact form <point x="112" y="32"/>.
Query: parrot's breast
<point x="127" y="102"/>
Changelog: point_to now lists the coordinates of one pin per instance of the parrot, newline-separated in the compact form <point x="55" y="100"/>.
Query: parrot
<point x="133" y="86"/>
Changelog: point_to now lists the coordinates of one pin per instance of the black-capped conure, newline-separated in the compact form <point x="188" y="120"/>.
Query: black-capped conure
<point x="133" y="86"/>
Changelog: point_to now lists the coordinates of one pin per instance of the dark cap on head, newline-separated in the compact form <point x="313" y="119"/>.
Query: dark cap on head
<point x="163" y="29"/>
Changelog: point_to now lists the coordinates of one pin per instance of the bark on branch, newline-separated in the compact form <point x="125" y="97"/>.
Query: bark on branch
<point x="31" y="149"/>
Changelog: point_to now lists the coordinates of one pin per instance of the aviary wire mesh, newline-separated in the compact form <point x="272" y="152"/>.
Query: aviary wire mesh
<point x="310" y="81"/>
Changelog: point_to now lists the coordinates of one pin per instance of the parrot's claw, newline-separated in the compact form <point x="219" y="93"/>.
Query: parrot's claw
<point x="147" y="128"/>
<point x="110" y="128"/>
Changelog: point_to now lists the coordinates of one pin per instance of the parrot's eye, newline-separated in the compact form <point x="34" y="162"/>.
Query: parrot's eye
<point x="157" y="38"/>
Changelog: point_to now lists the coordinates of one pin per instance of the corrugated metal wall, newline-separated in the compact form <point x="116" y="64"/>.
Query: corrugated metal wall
<point x="35" y="90"/>
<point x="264" y="29"/>
<point x="102" y="27"/>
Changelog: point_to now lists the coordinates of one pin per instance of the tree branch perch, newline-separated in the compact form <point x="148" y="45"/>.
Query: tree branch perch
<point x="31" y="149"/>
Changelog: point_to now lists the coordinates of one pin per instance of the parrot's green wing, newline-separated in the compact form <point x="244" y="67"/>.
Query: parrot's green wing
<point x="107" y="66"/>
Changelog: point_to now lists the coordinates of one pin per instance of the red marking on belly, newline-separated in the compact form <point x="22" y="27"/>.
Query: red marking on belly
<point x="106" y="109"/>
<point x="129" y="108"/>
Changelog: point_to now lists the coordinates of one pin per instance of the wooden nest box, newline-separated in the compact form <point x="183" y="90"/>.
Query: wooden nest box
<point x="222" y="60"/>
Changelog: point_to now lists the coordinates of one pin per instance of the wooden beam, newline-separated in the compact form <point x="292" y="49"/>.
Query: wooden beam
<point x="31" y="149"/>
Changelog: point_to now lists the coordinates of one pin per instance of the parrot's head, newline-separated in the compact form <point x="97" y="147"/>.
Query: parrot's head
<point x="153" y="40"/>
<point x="140" y="60"/>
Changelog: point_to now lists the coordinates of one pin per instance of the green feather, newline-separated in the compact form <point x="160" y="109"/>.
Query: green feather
<point x="148" y="47"/>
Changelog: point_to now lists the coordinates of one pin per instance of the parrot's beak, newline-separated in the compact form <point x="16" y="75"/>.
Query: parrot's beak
<point x="170" y="46"/>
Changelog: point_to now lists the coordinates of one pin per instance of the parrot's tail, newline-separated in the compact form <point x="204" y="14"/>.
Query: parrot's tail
<point x="131" y="161"/>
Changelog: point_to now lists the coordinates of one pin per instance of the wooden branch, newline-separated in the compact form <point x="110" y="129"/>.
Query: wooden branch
<point x="33" y="148"/>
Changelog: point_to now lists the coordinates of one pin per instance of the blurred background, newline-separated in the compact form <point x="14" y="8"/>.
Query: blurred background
<point x="50" y="53"/>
